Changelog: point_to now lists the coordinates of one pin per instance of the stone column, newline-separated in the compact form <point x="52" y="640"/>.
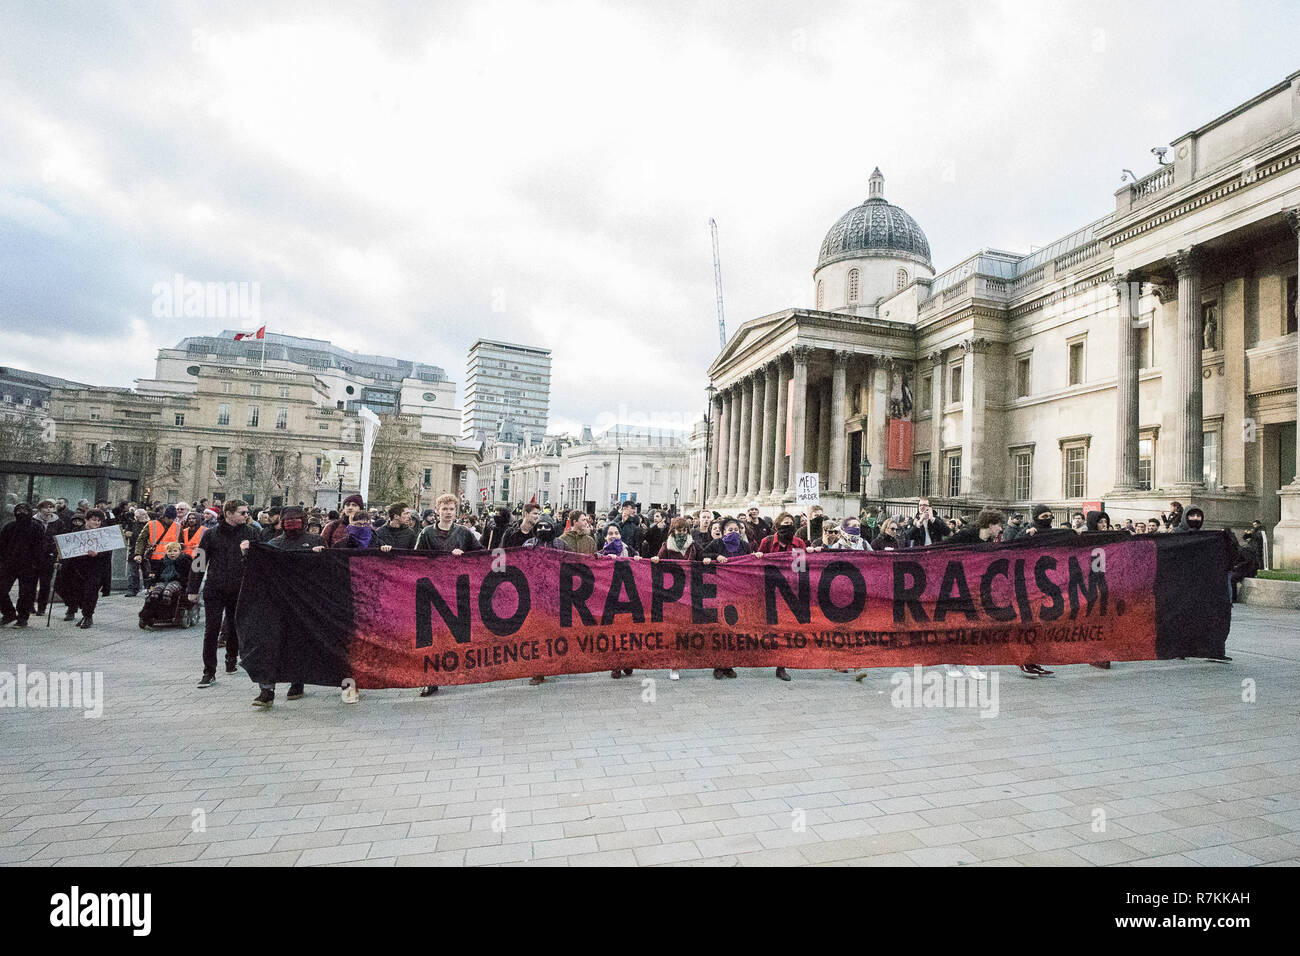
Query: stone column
<point x="756" y="445"/>
<point x="824" y="425"/>
<point x="812" y="418"/>
<point x="772" y="376"/>
<point x="715" y="449"/>
<point x="1286" y="534"/>
<point x="936" y="423"/>
<point x="1126" y="384"/>
<point x="724" y="444"/>
<point x="1187" y="434"/>
<point x="779" y="479"/>
<point x="876" y="435"/>
<point x="746" y="430"/>
<point x="836" y="478"/>
<point x="737" y="413"/>
<point x="800" y="354"/>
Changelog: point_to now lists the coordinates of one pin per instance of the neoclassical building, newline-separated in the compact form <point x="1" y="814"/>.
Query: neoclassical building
<point x="1149" y="355"/>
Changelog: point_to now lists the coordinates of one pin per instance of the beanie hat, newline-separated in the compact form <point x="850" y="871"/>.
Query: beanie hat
<point x="170" y="512"/>
<point x="355" y="500"/>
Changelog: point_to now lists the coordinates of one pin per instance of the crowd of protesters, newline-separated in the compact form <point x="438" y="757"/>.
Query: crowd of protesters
<point x="179" y="552"/>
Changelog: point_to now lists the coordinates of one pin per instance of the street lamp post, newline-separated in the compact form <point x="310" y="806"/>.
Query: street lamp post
<point x="675" y="502"/>
<point x="584" y="487"/>
<point x="343" y="463"/>
<point x="866" y="470"/>
<point x="106" y="459"/>
<point x="708" y="434"/>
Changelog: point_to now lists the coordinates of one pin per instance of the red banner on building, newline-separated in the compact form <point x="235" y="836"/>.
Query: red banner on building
<point x="900" y="445"/>
<point x="406" y="619"/>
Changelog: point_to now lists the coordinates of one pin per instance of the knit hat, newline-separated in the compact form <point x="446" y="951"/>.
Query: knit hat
<point x="170" y="512"/>
<point x="355" y="500"/>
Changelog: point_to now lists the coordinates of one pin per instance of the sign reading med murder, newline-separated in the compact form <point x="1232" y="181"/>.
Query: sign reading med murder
<point x="405" y="619"/>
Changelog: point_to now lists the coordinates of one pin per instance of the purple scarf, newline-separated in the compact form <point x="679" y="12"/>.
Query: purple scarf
<point x="615" y="548"/>
<point x="361" y="534"/>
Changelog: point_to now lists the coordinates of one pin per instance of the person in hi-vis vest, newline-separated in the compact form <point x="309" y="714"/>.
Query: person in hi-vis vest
<point x="151" y="542"/>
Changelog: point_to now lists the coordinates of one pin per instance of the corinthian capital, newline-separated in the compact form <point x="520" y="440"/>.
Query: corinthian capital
<point x="936" y="357"/>
<point x="978" y="345"/>
<point x="1187" y="262"/>
<point x="801" y="354"/>
<point x="841" y="358"/>
<point x="1293" y="220"/>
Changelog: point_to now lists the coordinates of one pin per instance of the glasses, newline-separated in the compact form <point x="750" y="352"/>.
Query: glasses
<point x="244" y="513"/>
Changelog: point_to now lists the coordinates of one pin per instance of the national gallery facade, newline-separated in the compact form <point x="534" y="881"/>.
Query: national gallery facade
<point x="1150" y="355"/>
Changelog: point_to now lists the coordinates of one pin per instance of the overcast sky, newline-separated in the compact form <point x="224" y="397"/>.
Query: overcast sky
<point x="405" y="178"/>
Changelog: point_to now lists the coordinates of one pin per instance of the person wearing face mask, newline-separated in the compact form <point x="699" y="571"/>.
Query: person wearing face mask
<point x="543" y="536"/>
<point x="336" y="532"/>
<point x="851" y="538"/>
<point x="361" y="534"/>
<point x="495" y="535"/>
<point x="1191" y="521"/>
<point x="22" y="550"/>
<point x="294" y="534"/>
<point x="783" y="540"/>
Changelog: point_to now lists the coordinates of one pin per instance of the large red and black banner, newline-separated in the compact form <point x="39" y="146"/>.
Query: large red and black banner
<point x="405" y="619"/>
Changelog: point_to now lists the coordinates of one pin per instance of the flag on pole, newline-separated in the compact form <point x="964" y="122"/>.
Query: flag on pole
<point x="259" y="334"/>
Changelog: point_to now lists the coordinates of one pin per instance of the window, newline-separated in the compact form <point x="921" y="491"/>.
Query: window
<point x="94" y="414"/>
<point x="923" y="474"/>
<point x="27" y="401"/>
<point x="176" y="459"/>
<point x="255" y="390"/>
<point x="819" y="293"/>
<point x="221" y="466"/>
<point x="853" y="285"/>
<point x="225" y="388"/>
<point x="92" y="453"/>
<point x="223" y="414"/>
<point x="9" y="399"/>
<point x="954" y="385"/>
<point x="1146" y="461"/>
<point x="180" y="418"/>
<point x="284" y="391"/>
<point x="954" y="475"/>
<point x="1076" y="471"/>
<point x="927" y="388"/>
<point x="320" y="468"/>
<point x="1022" y="376"/>
<point x="282" y="418"/>
<point x="253" y="412"/>
<point x="1076" y="362"/>
<point x="428" y="477"/>
<point x="900" y="279"/>
<point x="546" y="477"/>
<point x="277" y="466"/>
<point x="1024" y="475"/>
<point x="1210" y="459"/>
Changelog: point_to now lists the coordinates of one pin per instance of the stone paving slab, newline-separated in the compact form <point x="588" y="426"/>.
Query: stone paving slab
<point x="1157" y="763"/>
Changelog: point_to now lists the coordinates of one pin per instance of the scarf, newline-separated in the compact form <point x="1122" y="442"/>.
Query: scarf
<point x="731" y="542"/>
<point x="615" y="548"/>
<point x="361" y="534"/>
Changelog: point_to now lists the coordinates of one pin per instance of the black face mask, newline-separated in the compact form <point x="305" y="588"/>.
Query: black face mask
<point x="785" y="532"/>
<point x="545" y="532"/>
<point x="1194" y="523"/>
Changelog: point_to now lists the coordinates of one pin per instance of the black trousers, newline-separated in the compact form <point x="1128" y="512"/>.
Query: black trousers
<point x="43" y="579"/>
<point x="89" y="596"/>
<point x="219" y="611"/>
<point x="26" y="579"/>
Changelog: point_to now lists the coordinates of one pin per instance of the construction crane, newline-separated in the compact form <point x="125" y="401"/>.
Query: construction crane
<point x="717" y="281"/>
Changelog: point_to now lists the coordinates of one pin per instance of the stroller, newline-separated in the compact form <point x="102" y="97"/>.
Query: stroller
<point x="166" y="604"/>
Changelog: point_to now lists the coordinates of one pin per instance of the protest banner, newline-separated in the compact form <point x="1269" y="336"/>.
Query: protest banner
<point x="405" y="619"/>
<point x="76" y="543"/>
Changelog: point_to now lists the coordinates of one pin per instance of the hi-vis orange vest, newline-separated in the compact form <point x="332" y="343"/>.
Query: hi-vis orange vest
<point x="171" y="534"/>
<point x="190" y="540"/>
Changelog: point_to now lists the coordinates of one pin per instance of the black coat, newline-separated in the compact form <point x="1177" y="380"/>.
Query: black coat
<point x="436" y="540"/>
<point x="22" y="545"/>
<point x="225" y="557"/>
<point x="400" y="539"/>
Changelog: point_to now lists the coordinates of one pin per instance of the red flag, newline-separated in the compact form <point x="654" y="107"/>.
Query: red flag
<point x="259" y="334"/>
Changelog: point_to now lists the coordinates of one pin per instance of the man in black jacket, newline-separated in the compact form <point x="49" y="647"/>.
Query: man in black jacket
<point x="519" y="534"/>
<point x="445" y="536"/>
<point x="396" y="533"/>
<point x="630" y="528"/>
<point x="929" y="528"/>
<point x="219" y="569"/>
<point x="22" y="546"/>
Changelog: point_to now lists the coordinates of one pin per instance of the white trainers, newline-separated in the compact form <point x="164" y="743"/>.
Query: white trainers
<point x="974" y="673"/>
<point x="350" y="695"/>
<point x="953" y="670"/>
<point x="673" y="675"/>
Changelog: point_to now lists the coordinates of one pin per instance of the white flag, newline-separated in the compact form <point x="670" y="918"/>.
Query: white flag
<point x="369" y="430"/>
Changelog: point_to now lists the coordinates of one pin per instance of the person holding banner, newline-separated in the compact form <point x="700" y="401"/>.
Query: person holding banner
<point x="445" y="537"/>
<point x="680" y="547"/>
<point x="67" y="583"/>
<point x="615" y="547"/>
<point x="785" y="540"/>
<point x="543" y="536"/>
<point x="218" y="570"/>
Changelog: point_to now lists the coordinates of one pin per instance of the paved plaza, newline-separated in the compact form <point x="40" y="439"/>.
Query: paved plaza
<point x="1151" y="763"/>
